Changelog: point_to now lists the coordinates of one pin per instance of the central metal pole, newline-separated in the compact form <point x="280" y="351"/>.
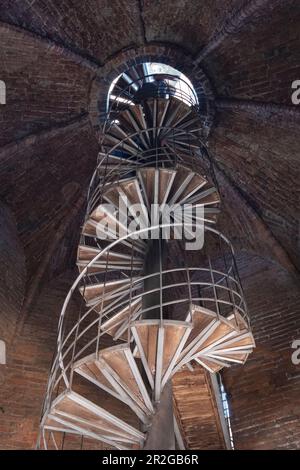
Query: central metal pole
<point x="161" y="435"/>
<point x="152" y="266"/>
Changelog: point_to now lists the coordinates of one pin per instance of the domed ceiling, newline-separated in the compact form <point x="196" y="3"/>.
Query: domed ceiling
<point x="58" y="60"/>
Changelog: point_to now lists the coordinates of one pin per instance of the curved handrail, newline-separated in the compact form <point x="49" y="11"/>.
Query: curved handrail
<point x="175" y="144"/>
<point x="101" y="253"/>
<point x="188" y="97"/>
<point x="136" y="158"/>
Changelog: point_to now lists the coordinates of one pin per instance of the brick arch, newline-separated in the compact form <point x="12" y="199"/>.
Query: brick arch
<point x="166" y="54"/>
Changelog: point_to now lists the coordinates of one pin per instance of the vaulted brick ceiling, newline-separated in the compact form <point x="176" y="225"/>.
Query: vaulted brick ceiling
<point x="51" y="53"/>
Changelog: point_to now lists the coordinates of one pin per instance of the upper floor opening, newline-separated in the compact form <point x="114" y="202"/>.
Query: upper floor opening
<point x="150" y="79"/>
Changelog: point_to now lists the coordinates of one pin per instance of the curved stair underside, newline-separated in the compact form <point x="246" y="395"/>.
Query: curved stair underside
<point x="160" y="349"/>
<point x="172" y="194"/>
<point x="151" y="351"/>
<point x="154" y="122"/>
<point x="73" y="413"/>
<point x="140" y="193"/>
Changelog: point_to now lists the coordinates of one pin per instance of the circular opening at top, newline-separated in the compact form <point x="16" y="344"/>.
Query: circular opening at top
<point x="150" y="79"/>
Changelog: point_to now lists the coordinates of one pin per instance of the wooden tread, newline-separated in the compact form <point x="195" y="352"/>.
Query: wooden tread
<point x="159" y="345"/>
<point x="216" y="341"/>
<point x="115" y="370"/>
<point x="75" y="413"/>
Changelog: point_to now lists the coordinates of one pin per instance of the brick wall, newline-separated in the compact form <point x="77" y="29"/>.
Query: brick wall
<point x="81" y="26"/>
<point x="264" y="393"/>
<point x="50" y="85"/>
<point x="200" y="19"/>
<point x="264" y="397"/>
<point x="42" y="179"/>
<point x="12" y="274"/>
<point x="261" y="159"/>
<point x="260" y="62"/>
<point x="23" y="380"/>
<point x="43" y="89"/>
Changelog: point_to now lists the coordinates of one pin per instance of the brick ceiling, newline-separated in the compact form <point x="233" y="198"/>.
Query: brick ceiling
<point x="50" y="54"/>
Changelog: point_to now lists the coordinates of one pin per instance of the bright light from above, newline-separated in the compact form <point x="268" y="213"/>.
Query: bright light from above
<point x="167" y="79"/>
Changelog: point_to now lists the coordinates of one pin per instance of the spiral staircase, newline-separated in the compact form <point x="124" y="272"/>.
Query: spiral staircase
<point x="148" y="308"/>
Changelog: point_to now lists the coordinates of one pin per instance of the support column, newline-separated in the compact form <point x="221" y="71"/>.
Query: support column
<point x="161" y="435"/>
<point x="152" y="266"/>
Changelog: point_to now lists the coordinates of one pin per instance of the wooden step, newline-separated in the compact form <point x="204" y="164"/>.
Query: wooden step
<point x="185" y="184"/>
<point x="120" y="359"/>
<point x="109" y="221"/>
<point x="204" y="322"/>
<point x="148" y="181"/>
<point x="236" y="349"/>
<point x="156" y="184"/>
<point x="111" y="194"/>
<point x="132" y="191"/>
<point x="111" y="140"/>
<point x="159" y="344"/>
<point x="115" y="371"/>
<point x="77" y="414"/>
<point x="108" y="290"/>
<point x="241" y="342"/>
<point x="191" y="123"/>
<point x="109" y="261"/>
<point x="131" y="194"/>
<point x="212" y="365"/>
<point x="110" y="162"/>
<point x="138" y="113"/>
<point x="237" y="357"/>
<point x="109" y="167"/>
<point x="162" y="109"/>
<point x="117" y="131"/>
<point x="150" y="113"/>
<point x="109" y="232"/>
<point x="207" y="197"/>
<point x="128" y="194"/>
<point x="117" y="325"/>
<point x="196" y="183"/>
<point x="216" y="341"/>
<point x="154" y="117"/>
<point x="89" y="368"/>
<point x="237" y="318"/>
<point x="177" y="112"/>
<point x="134" y="121"/>
<point x="222" y="332"/>
<point x="182" y="179"/>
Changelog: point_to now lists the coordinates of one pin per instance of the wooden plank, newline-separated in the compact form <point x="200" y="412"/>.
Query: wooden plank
<point x="76" y="409"/>
<point x="195" y="410"/>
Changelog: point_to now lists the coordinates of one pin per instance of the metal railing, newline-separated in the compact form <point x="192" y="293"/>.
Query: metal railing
<point x="212" y="283"/>
<point x="220" y="291"/>
<point x="160" y="86"/>
<point x="195" y="156"/>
